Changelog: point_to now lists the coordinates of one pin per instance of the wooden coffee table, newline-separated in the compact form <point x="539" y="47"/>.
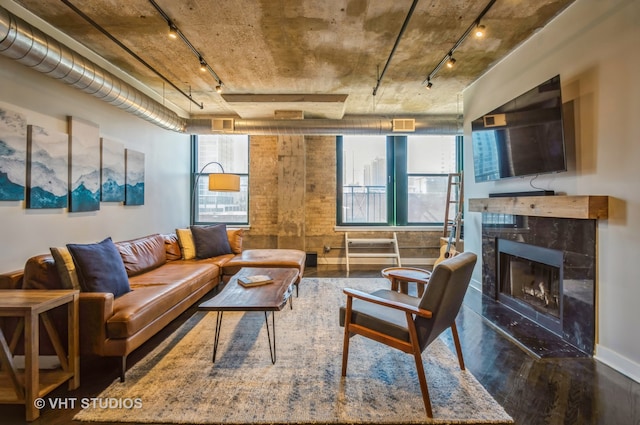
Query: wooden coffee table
<point x="268" y="298"/>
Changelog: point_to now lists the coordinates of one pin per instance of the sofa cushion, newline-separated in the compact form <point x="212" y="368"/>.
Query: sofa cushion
<point x="172" y="247"/>
<point x="269" y="258"/>
<point x="142" y="254"/>
<point x="66" y="268"/>
<point x="185" y="239"/>
<point x="100" y="267"/>
<point x="157" y="292"/>
<point x="40" y="273"/>
<point x="211" y="241"/>
<point x="12" y="279"/>
<point x="235" y="240"/>
<point x="288" y="258"/>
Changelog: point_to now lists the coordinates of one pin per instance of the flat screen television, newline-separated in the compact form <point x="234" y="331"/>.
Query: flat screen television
<point x="523" y="137"/>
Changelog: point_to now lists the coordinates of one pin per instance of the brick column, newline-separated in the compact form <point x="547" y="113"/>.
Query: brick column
<point x="291" y="186"/>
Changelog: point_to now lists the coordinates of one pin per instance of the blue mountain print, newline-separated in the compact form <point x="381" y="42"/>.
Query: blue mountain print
<point x="10" y="191"/>
<point x="47" y="168"/>
<point x="40" y="198"/>
<point x="112" y="191"/>
<point x="6" y="150"/>
<point x="112" y="170"/>
<point x="134" y="195"/>
<point x="83" y="199"/>
<point x="13" y="152"/>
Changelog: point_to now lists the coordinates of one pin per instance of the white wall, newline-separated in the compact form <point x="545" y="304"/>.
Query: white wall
<point x="47" y="102"/>
<point x="595" y="47"/>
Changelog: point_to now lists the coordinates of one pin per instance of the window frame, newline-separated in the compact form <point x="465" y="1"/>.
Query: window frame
<point x="397" y="183"/>
<point x="196" y="175"/>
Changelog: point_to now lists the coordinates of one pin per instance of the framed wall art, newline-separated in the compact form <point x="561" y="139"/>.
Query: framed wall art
<point x="84" y="157"/>
<point x="112" y="171"/>
<point x="13" y="155"/>
<point x="47" y="168"/>
<point x="134" y="165"/>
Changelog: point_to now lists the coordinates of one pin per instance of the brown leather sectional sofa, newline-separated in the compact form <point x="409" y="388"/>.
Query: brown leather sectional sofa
<point x="163" y="285"/>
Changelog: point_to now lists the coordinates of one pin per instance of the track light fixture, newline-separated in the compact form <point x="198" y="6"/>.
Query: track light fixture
<point x="173" y="31"/>
<point x="429" y="85"/>
<point x="218" y="88"/>
<point x="204" y="66"/>
<point x="448" y="58"/>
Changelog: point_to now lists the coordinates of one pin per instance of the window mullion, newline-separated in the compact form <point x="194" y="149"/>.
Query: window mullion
<point x="401" y="180"/>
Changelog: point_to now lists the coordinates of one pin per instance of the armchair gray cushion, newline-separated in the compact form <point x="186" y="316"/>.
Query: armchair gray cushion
<point x="379" y="318"/>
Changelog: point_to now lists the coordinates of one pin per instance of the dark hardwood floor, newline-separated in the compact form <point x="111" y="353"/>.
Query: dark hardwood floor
<point x="534" y="392"/>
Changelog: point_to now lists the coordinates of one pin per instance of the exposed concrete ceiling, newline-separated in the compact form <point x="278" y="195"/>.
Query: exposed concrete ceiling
<point x="323" y="57"/>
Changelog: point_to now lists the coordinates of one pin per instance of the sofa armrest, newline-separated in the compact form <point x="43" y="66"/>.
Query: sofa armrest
<point x="95" y="309"/>
<point x="11" y="280"/>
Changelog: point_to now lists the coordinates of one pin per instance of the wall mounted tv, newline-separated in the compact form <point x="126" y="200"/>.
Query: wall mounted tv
<point x="523" y="137"/>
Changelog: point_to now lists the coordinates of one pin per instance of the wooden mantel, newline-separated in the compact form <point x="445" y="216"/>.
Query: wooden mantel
<point x="579" y="207"/>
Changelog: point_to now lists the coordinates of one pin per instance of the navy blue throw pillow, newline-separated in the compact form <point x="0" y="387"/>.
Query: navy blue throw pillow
<point x="211" y="241"/>
<point x="100" y="267"/>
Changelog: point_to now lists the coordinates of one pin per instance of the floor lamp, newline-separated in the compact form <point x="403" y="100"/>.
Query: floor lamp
<point x="218" y="182"/>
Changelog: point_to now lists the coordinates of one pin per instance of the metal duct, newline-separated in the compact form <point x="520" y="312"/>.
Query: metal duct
<point x="31" y="47"/>
<point x="436" y="125"/>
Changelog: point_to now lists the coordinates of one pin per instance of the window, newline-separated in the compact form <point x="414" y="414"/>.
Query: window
<point x="232" y="153"/>
<point x="394" y="180"/>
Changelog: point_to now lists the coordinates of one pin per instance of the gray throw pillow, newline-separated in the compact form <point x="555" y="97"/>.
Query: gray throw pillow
<point x="211" y="241"/>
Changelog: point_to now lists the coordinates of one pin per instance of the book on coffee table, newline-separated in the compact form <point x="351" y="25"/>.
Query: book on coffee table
<point x="255" y="280"/>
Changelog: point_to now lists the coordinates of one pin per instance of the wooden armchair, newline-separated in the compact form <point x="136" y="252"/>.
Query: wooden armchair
<point x="408" y="323"/>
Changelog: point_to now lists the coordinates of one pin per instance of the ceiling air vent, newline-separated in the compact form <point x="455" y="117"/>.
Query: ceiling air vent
<point x="222" y="124"/>
<point x="404" y="125"/>
<point x="496" y="120"/>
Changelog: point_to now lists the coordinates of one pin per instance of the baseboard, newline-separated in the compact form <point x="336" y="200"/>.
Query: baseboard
<point x="620" y="363"/>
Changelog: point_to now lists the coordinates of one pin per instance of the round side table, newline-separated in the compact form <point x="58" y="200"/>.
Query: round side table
<point x="401" y="276"/>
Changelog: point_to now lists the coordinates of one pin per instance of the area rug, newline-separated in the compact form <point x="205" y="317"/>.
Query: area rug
<point x="178" y="383"/>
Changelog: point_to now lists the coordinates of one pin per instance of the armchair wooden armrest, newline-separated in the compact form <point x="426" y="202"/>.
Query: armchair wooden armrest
<point x="407" y="308"/>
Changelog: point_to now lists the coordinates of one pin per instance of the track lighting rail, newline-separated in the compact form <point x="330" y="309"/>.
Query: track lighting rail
<point x="449" y="56"/>
<point x="126" y="49"/>
<point x="173" y="27"/>
<point x="395" y="45"/>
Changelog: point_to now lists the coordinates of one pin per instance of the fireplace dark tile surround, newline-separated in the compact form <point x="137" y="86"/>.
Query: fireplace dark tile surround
<point x="576" y="239"/>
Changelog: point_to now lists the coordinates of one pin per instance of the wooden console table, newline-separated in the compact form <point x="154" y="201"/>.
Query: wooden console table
<point x="29" y="306"/>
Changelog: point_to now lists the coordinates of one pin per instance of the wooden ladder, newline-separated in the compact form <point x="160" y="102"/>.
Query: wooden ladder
<point x="363" y="243"/>
<point x="455" y="196"/>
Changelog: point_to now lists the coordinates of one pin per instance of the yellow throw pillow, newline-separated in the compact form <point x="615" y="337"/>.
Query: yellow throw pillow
<point x="66" y="268"/>
<point x="187" y="246"/>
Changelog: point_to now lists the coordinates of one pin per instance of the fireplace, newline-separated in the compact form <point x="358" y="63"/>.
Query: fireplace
<point x="530" y="282"/>
<point x="538" y="281"/>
